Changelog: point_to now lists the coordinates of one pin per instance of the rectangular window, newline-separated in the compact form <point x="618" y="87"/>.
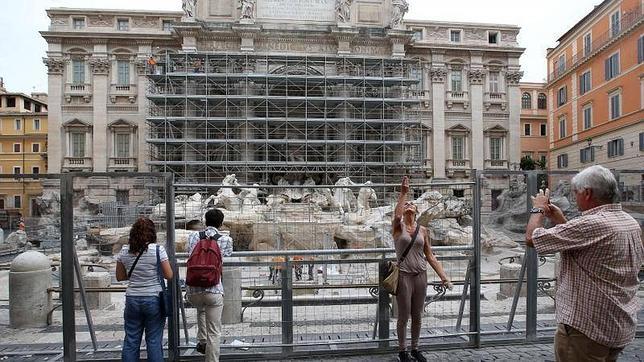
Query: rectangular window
<point x="457" y="147"/>
<point x="584" y="83"/>
<point x="35" y="170"/>
<point x="561" y="64"/>
<point x="36" y="125"/>
<point x="11" y="102"/>
<point x="588" y="45"/>
<point x="544" y="129"/>
<point x="418" y="34"/>
<point x="493" y="37"/>
<point x="615" y="101"/>
<point x="123" y="25"/>
<point x="78" y="144"/>
<point x="640" y="49"/>
<point x="17" y="147"/>
<point x="562" y="96"/>
<point x="542" y="158"/>
<point x="35" y="147"/>
<point x="166" y="25"/>
<point x="527" y="129"/>
<point x="562" y="127"/>
<point x="123" y="70"/>
<point x="79" y="23"/>
<point x="78" y="71"/>
<point x="455" y="36"/>
<point x="17" y="170"/>
<point x="122" y="145"/>
<point x="588" y="116"/>
<point x="495" y="148"/>
<point x="616" y="148"/>
<point x="641" y="141"/>
<point x="27" y="105"/>
<point x="37" y="108"/>
<point x="562" y="161"/>
<point x="17" y="201"/>
<point x="18" y="124"/>
<point x="587" y="154"/>
<point x="615" y="25"/>
<point x="611" y="66"/>
<point x="1" y="203"/>
<point x="457" y="81"/>
<point x="494" y="82"/>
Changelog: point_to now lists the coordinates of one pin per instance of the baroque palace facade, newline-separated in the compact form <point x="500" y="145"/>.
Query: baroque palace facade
<point x="267" y="89"/>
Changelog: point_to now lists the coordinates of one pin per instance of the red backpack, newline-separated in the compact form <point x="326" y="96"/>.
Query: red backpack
<point x="204" y="264"/>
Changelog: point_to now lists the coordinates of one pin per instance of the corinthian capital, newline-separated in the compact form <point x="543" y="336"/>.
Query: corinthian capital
<point x="99" y="65"/>
<point x="54" y="65"/>
<point x="513" y="77"/>
<point x="476" y="76"/>
<point x="438" y="74"/>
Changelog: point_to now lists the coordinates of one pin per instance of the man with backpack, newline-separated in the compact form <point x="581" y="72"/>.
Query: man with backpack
<point x="205" y="288"/>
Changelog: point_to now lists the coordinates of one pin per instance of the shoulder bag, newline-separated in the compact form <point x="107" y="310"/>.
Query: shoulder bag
<point x="391" y="270"/>
<point x="164" y="295"/>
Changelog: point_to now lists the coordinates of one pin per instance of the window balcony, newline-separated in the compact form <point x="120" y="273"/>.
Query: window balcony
<point x="123" y="163"/>
<point x="123" y="90"/>
<point x="495" y="98"/>
<point x="78" y="164"/>
<point x="458" y="168"/>
<point x="83" y="90"/>
<point x="496" y="164"/>
<point x="457" y="97"/>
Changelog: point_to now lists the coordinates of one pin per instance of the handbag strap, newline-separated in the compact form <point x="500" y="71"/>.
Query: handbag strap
<point x="129" y="274"/>
<point x="163" y="287"/>
<point x="404" y="254"/>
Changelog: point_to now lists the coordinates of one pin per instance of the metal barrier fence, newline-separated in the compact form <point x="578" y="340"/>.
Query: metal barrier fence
<point x="322" y="296"/>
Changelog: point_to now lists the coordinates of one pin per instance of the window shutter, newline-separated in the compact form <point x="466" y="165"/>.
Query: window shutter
<point x="621" y="146"/>
<point x="581" y="155"/>
<point x="607" y="69"/>
<point x="640" y="49"/>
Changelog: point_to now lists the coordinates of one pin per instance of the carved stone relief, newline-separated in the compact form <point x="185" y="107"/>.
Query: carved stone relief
<point x="343" y="11"/>
<point x="143" y="22"/>
<point x="59" y="21"/>
<point x="476" y="76"/>
<point x="438" y="74"/>
<point x="513" y="77"/>
<point x="100" y="20"/>
<point x="99" y="65"/>
<point x="54" y="65"/>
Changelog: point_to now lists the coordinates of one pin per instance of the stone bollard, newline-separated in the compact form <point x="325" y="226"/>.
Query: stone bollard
<point x="231" y="278"/>
<point x="98" y="300"/>
<point x="511" y="271"/>
<point x="29" y="280"/>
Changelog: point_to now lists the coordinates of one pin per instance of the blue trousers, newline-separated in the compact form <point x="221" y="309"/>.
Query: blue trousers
<point x="143" y="314"/>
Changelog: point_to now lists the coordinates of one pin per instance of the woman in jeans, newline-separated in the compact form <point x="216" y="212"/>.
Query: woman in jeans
<point x="412" y="280"/>
<point x="137" y="262"/>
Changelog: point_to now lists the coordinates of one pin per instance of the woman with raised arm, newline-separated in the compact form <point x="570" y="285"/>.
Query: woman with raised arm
<point x="413" y="251"/>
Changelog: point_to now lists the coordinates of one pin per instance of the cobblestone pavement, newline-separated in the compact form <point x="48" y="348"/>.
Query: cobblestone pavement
<point x="532" y="353"/>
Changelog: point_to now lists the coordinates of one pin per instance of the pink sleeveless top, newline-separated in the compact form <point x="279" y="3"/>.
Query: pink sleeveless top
<point x="415" y="261"/>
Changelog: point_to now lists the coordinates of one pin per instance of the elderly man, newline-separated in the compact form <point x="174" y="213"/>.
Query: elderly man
<point x="601" y="254"/>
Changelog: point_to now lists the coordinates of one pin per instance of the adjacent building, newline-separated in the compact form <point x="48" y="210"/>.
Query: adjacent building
<point x="534" y="122"/>
<point x="275" y="89"/>
<point x="595" y="90"/>
<point x="23" y="148"/>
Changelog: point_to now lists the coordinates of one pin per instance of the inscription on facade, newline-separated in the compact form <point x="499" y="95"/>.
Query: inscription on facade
<point x="304" y="10"/>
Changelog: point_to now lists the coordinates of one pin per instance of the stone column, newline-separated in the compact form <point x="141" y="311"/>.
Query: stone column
<point x="142" y="155"/>
<point x="55" y="151"/>
<point x="232" y="296"/>
<point x="514" y="103"/>
<point x="100" y="67"/>
<point x="438" y="75"/>
<point x="476" y="78"/>
<point x="29" y="300"/>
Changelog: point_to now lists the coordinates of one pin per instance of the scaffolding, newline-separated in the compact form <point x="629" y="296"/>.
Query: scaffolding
<point x="266" y="117"/>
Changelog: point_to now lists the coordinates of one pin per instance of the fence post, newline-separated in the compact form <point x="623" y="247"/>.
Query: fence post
<point x="475" y="272"/>
<point x="67" y="265"/>
<point x="383" y="311"/>
<point x="173" y="284"/>
<point x="287" y="307"/>
<point x="532" y="268"/>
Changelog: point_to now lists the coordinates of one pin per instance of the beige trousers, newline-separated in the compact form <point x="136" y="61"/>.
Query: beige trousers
<point x="209" y="307"/>
<point x="572" y="346"/>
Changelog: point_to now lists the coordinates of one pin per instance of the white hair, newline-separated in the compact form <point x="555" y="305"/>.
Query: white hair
<point x="600" y="180"/>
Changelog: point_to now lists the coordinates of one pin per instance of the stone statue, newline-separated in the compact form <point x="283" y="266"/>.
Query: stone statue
<point x="365" y="195"/>
<point x="343" y="196"/>
<point x="247" y="9"/>
<point x="400" y="8"/>
<point x="343" y="10"/>
<point x="189" y="8"/>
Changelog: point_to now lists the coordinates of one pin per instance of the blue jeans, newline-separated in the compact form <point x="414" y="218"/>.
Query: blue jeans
<point x="143" y="313"/>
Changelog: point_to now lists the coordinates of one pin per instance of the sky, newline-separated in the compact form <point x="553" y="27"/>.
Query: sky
<point x="542" y="23"/>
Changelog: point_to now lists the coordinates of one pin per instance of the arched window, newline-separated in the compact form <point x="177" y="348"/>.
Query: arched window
<point x="526" y="101"/>
<point x="542" y="101"/>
